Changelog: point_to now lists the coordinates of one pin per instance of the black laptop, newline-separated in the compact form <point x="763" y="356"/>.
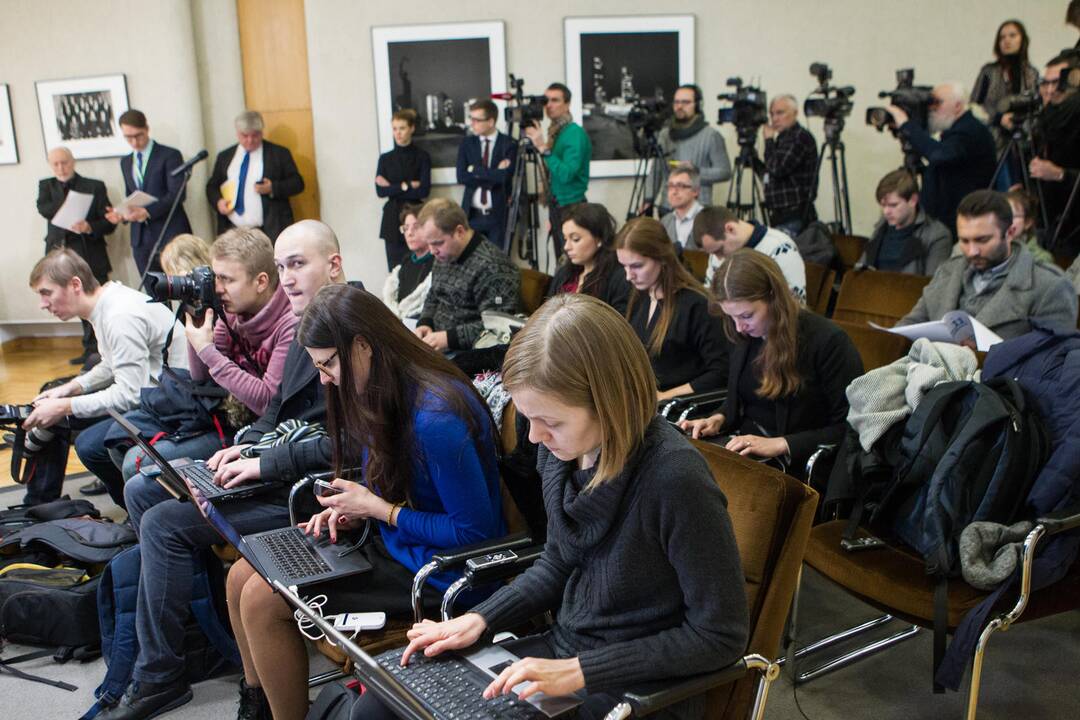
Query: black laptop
<point x="445" y="687"/>
<point x="286" y="554"/>
<point x="172" y="474"/>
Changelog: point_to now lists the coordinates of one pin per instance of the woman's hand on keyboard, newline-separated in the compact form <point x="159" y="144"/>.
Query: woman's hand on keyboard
<point x="237" y="472"/>
<point x="223" y="457"/>
<point x="330" y="519"/>
<point x="551" y="677"/>
<point x="435" y="637"/>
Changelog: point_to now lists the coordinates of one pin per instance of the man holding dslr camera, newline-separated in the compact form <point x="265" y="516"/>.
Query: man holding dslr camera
<point x="566" y="152"/>
<point x="790" y="167"/>
<point x="1057" y="166"/>
<point x="131" y="332"/>
<point x="962" y="161"/>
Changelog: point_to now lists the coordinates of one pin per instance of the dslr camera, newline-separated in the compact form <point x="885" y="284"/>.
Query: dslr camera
<point x="523" y="110"/>
<point x="748" y="110"/>
<point x="12" y="416"/>
<point x="828" y="101"/>
<point x="196" y="290"/>
<point x="909" y="97"/>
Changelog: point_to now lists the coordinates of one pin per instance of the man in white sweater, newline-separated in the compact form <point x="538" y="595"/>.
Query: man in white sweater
<point x="131" y="332"/>
<point x="720" y="232"/>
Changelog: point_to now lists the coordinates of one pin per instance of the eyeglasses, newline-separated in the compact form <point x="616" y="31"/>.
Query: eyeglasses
<point x="473" y="118"/>
<point x="679" y="186"/>
<point x="682" y="102"/>
<point x="406" y="229"/>
<point x="323" y="365"/>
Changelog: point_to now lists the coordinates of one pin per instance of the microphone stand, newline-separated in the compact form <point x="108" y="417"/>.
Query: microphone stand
<point x="165" y="227"/>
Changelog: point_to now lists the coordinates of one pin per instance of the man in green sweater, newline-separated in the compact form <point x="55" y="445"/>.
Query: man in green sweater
<point x="566" y="153"/>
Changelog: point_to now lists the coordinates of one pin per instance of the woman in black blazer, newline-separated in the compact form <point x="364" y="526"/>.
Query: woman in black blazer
<point x="669" y="310"/>
<point x="789" y="367"/>
<point x="589" y="264"/>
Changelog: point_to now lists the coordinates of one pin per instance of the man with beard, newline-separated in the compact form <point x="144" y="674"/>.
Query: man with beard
<point x="996" y="281"/>
<point x="1057" y="165"/>
<point x="962" y="161"/>
<point x="689" y="139"/>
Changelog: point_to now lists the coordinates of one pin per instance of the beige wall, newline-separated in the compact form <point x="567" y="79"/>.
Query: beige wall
<point x="185" y="72"/>
<point x="772" y="41"/>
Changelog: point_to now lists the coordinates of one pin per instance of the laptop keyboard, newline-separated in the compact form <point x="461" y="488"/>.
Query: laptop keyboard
<point x="202" y="477"/>
<point x="450" y="686"/>
<point x="291" y="554"/>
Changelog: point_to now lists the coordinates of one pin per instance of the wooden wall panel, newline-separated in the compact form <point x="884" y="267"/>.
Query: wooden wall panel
<point x="273" y="51"/>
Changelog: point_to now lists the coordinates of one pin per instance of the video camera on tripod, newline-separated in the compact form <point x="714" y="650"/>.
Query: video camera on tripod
<point x="834" y="105"/>
<point x="828" y="101"/>
<point x="913" y="99"/>
<point x="748" y="110"/>
<point x="521" y="109"/>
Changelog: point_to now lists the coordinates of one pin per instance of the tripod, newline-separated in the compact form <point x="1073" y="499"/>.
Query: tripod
<point x="1019" y="149"/>
<point x="834" y="146"/>
<point x="747" y="159"/>
<point x="644" y="192"/>
<point x="529" y="179"/>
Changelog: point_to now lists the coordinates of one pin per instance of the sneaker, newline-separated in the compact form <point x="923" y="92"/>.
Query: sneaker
<point x="79" y="360"/>
<point x="147" y="700"/>
<point x="93" y="488"/>
<point x="253" y="703"/>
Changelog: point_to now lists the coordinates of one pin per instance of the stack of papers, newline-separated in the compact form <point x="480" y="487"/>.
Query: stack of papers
<point x="954" y="327"/>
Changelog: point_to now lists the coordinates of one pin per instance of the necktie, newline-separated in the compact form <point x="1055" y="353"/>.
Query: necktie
<point x="239" y="207"/>
<point x="138" y="170"/>
<point x="484" y="160"/>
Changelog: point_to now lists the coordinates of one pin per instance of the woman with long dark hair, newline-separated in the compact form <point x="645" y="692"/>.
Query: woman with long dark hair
<point x="669" y="310"/>
<point x="1011" y="73"/>
<point x="589" y="265"/>
<point x="789" y="367"/>
<point x="426" y="444"/>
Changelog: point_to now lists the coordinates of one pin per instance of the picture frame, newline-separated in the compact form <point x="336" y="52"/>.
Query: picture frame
<point x="82" y="113"/>
<point x="436" y="70"/>
<point x="9" y="147"/>
<point x="613" y="61"/>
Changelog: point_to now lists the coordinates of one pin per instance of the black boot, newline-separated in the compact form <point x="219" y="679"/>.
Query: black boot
<point x="146" y="700"/>
<point x="253" y="703"/>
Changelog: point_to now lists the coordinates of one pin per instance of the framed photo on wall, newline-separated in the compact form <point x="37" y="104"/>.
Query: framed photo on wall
<point x="9" y="150"/>
<point x="613" y="63"/>
<point x="82" y="114"/>
<point x="437" y="70"/>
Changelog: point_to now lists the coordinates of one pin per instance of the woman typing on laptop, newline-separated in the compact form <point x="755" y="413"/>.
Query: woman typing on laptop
<point x="426" y="442"/>
<point x="640" y="564"/>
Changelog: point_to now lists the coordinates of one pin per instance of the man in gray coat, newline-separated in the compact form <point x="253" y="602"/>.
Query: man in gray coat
<point x="998" y="283"/>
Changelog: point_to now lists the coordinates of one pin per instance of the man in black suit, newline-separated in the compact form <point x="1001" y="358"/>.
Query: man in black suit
<point x="961" y="162"/>
<point x="86" y="237"/>
<point x="148" y="168"/>
<point x="485" y="166"/>
<point x="262" y="177"/>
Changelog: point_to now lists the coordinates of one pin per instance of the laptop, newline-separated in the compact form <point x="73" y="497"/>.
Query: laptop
<point x="171" y="475"/>
<point x="444" y="687"/>
<point x="286" y="554"/>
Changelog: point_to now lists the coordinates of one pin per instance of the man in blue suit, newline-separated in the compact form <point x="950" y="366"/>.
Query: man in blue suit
<point x="485" y="166"/>
<point x="148" y="168"/>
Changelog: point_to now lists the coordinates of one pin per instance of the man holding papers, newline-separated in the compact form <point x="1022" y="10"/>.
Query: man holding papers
<point x="253" y="181"/>
<point x="77" y="204"/>
<point x="149" y="168"/>
<point x="997" y="282"/>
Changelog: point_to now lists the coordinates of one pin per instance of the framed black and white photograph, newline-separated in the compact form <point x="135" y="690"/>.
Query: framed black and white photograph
<point x="81" y="114"/>
<point x="9" y="150"/>
<point x="437" y="70"/>
<point x="616" y="63"/>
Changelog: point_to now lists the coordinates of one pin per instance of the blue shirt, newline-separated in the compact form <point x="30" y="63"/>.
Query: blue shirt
<point x="455" y="495"/>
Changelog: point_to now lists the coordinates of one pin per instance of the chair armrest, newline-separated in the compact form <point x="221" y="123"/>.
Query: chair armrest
<point x="295" y="492"/>
<point x="496" y="566"/>
<point x="654" y="697"/>
<point x="1060" y="521"/>
<point x="701" y="407"/>
<point x="456" y="557"/>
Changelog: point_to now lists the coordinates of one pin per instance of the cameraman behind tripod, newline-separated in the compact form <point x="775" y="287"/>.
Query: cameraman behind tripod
<point x="1057" y="164"/>
<point x="131" y="332"/>
<point x="790" y="167"/>
<point x="567" y="151"/>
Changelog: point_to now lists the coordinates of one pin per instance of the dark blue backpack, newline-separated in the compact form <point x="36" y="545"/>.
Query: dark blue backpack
<point x="209" y="649"/>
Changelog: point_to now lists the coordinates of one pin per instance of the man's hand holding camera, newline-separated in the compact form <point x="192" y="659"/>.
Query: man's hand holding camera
<point x="536" y="136"/>
<point x="899" y="116"/>
<point x="52" y="406"/>
<point x="200" y="335"/>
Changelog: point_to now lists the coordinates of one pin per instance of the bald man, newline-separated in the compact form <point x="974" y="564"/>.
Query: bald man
<point x="790" y="167"/>
<point x="960" y="162"/>
<point x="86" y="237"/>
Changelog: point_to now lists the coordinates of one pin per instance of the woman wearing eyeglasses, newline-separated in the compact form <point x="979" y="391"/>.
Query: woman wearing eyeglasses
<point x="426" y="443"/>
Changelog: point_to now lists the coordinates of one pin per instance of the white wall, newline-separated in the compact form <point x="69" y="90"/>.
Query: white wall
<point x="154" y="44"/>
<point x="771" y="40"/>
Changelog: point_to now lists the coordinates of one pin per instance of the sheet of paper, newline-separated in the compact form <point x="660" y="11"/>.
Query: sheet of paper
<point x="134" y="200"/>
<point x="409" y="323"/>
<point x="75" y="208"/>
<point x="228" y="192"/>
<point x="954" y="327"/>
<point x="934" y="330"/>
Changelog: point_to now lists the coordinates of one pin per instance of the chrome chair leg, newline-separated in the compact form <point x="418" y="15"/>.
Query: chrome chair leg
<point x="769" y="672"/>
